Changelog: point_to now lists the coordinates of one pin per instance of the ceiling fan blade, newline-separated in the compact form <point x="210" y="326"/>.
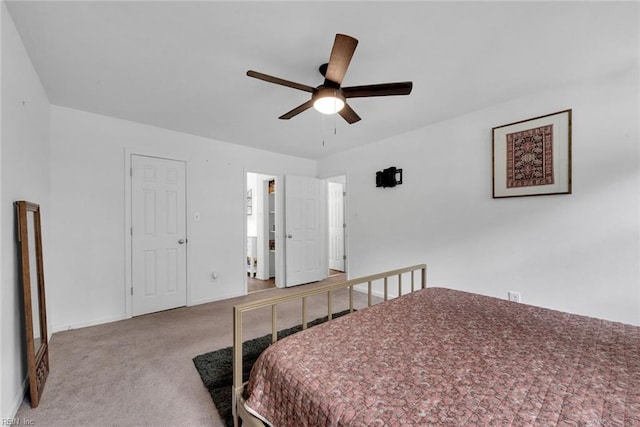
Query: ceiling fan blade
<point x="299" y="109"/>
<point x="343" y="48"/>
<point x="383" y="89"/>
<point x="279" y="81"/>
<point x="349" y="115"/>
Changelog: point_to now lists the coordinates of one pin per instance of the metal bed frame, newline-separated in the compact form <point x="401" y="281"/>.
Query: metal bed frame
<point x="239" y="410"/>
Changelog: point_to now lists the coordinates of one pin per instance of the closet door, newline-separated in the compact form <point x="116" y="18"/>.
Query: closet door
<point x="158" y="234"/>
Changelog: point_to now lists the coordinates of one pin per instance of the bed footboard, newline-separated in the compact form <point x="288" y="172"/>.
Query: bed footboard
<point x="239" y="411"/>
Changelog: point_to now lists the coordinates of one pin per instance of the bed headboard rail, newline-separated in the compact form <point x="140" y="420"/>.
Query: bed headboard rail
<point x="302" y="295"/>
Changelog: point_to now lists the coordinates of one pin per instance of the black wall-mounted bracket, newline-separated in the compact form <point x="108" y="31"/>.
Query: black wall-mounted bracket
<point x="389" y="177"/>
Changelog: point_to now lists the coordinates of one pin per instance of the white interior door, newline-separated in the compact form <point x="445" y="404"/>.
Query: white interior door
<point x="335" y="192"/>
<point x="158" y="234"/>
<point x="303" y="231"/>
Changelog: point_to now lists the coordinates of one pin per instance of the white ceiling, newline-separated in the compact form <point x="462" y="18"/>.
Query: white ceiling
<point x="181" y="65"/>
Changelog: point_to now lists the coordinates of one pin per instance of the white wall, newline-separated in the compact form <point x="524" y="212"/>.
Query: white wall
<point x="24" y="175"/>
<point x="577" y="253"/>
<point x="87" y="274"/>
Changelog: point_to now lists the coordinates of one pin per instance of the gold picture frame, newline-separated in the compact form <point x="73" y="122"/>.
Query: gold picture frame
<point x="532" y="157"/>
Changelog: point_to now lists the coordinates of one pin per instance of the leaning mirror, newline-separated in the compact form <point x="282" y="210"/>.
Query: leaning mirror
<point x="35" y="312"/>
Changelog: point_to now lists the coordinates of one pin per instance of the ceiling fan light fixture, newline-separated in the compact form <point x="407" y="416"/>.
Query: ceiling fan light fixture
<point x="328" y="101"/>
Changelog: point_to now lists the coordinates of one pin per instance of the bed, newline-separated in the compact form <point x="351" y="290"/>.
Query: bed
<point x="438" y="356"/>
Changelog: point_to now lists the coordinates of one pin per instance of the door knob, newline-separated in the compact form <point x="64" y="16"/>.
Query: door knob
<point x="289" y="236"/>
<point x="181" y="241"/>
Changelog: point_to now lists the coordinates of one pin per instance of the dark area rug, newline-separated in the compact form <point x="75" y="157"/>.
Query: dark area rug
<point x="216" y="368"/>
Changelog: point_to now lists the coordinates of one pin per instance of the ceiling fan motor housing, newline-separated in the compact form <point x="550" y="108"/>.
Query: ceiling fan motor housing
<point x="323" y="69"/>
<point x="323" y="91"/>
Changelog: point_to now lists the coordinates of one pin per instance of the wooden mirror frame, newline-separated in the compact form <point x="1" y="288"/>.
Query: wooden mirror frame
<point x="37" y="359"/>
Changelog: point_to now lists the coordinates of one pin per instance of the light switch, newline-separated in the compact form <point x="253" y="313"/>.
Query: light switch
<point x="196" y="216"/>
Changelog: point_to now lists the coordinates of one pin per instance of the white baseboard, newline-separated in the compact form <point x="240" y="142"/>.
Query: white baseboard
<point x="68" y="327"/>
<point x="60" y="328"/>
<point x="380" y="294"/>
<point x="17" y="400"/>
<point x="217" y="298"/>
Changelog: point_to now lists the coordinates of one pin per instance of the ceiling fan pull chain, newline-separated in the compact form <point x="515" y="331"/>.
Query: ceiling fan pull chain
<point x="323" y="130"/>
<point x="335" y="101"/>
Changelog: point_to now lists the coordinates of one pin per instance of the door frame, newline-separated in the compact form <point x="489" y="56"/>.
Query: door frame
<point x="341" y="227"/>
<point x="327" y="178"/>
<point x="128" y="255"/>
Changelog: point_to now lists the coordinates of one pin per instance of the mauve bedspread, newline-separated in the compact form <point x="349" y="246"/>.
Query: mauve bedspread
<point x="444" y="357"/>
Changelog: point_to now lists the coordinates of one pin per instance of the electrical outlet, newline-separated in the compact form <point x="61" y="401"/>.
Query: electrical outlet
<point x="514" y="296"/>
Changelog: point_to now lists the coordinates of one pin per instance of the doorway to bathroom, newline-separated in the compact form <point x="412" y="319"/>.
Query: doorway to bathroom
<point x="262" y="250"/>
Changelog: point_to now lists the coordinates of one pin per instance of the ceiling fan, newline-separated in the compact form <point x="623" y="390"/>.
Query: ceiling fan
<point x="330" y="97"/>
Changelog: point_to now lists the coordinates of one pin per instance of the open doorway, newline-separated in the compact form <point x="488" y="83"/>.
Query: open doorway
<point x="337" y="225"/>
<point x="261" y="232"/>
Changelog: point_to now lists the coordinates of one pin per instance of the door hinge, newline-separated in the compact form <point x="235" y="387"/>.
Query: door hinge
<point x="344" y="194"/>
<point x="130" y="171"/>
<point x="344" y="225"/>
<point x="132" y="291"/>
<point x="344" y="257"/>
<point x="131" y="231"/>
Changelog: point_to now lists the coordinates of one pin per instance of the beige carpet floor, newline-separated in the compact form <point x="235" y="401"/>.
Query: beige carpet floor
<point x="139" y="372"/>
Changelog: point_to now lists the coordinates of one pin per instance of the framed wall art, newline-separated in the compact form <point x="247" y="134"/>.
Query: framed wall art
<point x="533" y="157"/>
